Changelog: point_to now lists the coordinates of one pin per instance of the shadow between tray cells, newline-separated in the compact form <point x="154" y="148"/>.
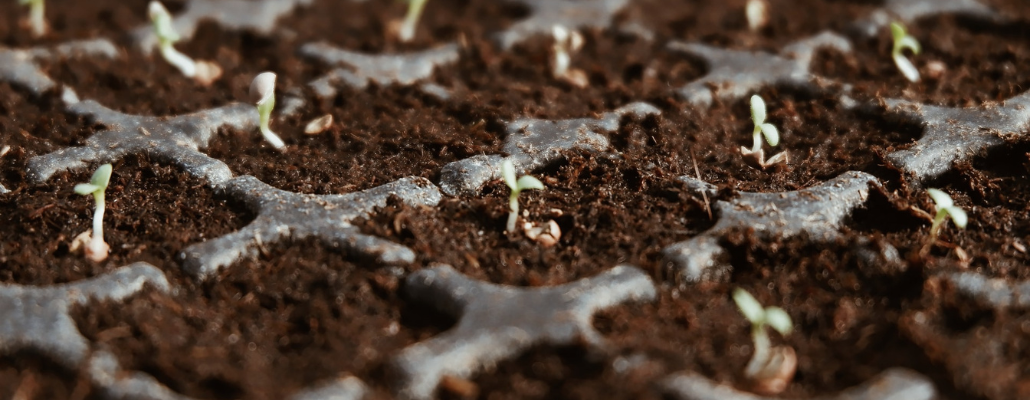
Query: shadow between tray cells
<point x="153" y="211"/>
<point x="265" y="328"/>
<point x="32" y="375"/>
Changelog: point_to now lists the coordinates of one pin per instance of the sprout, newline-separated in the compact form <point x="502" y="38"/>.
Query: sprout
<point x="407" y="29"/>
<point x="903" y="41"/>
<point x="771" y="368"/>
<point x="945" y="208"/>
<point x="202" y="71"/>
<point x="757" y="14"/>
<point x="96" y="249"/>
<point x="523" y="183"/>
<point x="565" y="43"/>
<point x="36" y="16"/>
<point x="262" y="92"/>
<point x="756" y="156"/>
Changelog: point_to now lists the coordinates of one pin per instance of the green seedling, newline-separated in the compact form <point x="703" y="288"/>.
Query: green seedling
<point x="202" y="71"/>
<point x="517" y="186"/>
<point x="756" y="156"/>
<point x="96" y="249"/>
<point x="903" y="41"/>
<point x="945" y="208"/>
<point x="37" y="20"/>
<point x="262" y="92"/>
<point x="407" y="29"/>
<point x="760" y="318"/>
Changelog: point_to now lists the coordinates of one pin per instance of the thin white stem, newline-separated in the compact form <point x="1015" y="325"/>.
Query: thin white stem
<point x="37" y="17"/>
<point x="97" y="241"/>
<point x="179" y="60"/>
<point x="513" y="204"/>
<point x="938" y="221"/>
<point x="761" y="354"/>
<point x="407" y="32"/>
<point x="265" y="111"/>
<point x="757" y="139"/>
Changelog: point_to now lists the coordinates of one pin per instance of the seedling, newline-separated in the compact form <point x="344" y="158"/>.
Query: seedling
<point x="517" y="186"/>
<point x="96" y="249"/>
<point x="756" y="12"/>
<point x="202" y="71"/>
<point x="903" y="41"/>
<point x="945" y="208"/>
<point x="770" y="368"/>
<point x="406" y="32"/>
<point x="36" y="19"/>
<point x="565" y="43"/>
<point x="262" y="92"/>
<point x="756" y="156"/>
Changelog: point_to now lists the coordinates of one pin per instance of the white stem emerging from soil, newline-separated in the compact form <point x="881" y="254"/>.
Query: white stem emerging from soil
<point x="96" y="243"/>
<point x="761" y="355"/>
<point x="757" y="139"/>
<point x="407" y="31"/>
<point x="513" y="204"/>
<point x="179" y="60"/>
<point x="265" y="110"/>
<point x="37" y="17"/>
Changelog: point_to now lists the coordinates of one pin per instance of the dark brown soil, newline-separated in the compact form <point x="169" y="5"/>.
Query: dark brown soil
<point x="266" y="328"/>
<point x="980" y="61"/>
<point x="303" y="313"/>
<point x="74" y="20"/>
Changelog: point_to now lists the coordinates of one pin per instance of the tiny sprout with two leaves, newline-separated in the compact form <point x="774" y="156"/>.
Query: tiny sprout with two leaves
<point x="945" y="208"/>
<point x="770" y="368"/>
<point x="517" y="186"/>
<point x="756" y="156"/>
<point x="406" y="31"/>
<point x="567" y="42"/>
<point x="903" y="41"/>
<point x="202" y="71"/>
<point x="96" y="249"/>
<point x="37" y="20"/>
<point x="262" y="93"/>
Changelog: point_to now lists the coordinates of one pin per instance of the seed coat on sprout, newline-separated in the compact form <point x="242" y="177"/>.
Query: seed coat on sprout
<point x="526" y="182"/>
<point x="96" y="249"/>
<point x="756" y="156"/>
<point x="203" y="72"/>
<point x="566" y="42"/>
<point x="771" y="368"/>
<point x="262" y="93"/>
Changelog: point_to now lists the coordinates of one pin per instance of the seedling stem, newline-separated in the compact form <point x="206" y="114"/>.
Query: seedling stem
<point x="407" y="31"/>
<point x="97" y="249"/>
<point x="760" y="317"/>
<point x="262" y="91"/>
<point x="903" y="41"/>
<point x="37" y="17"/>
<point x="516" y="186"/>
<point x="945" y="208"/>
